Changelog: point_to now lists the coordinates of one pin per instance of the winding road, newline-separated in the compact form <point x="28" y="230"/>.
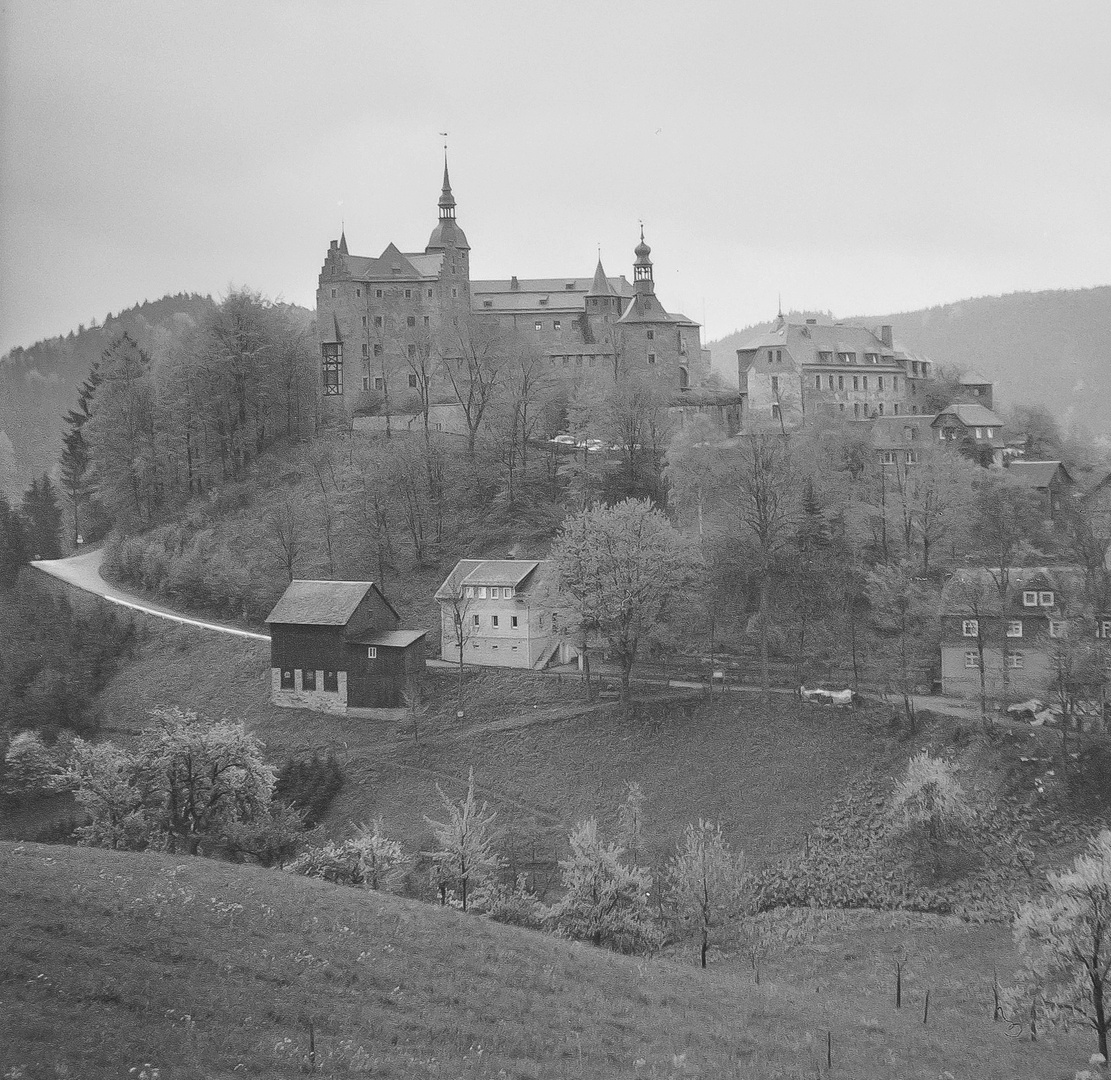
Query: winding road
<point x="83" y="572"/>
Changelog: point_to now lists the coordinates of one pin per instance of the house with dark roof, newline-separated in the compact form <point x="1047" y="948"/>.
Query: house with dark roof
<point x="337" y="645"/>
<point x="1043" y="607"/>
<point x="1052" y="482"/>
<point x="498" y="611"/>
<point x="975" y="389"/>
<point x="975" y="430"/>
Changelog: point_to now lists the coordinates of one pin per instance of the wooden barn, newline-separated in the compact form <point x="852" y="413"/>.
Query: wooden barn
<point x="338" y="645"/>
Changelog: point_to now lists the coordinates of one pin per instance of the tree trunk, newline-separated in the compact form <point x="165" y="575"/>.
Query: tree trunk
<point x="705" y="945"/>
<point x="765" y="696"/>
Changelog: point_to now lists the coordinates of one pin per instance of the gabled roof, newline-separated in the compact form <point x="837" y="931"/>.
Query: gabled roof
<point x="486" y="572"/>
<point x="320" y="603"/>
<point x="1067" y="580"/>
<point x="394" y="265"/>
<point x="1037" y="474"/>
<point x="971" y="416"/>
<point x="807" y="340"/>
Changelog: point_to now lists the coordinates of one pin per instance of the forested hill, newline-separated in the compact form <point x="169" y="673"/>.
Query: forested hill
<point x="1048" y="347"/>
<point x="39" y="384"/>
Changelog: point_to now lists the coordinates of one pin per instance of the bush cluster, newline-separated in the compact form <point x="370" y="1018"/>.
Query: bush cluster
<point x="309" y="785"/>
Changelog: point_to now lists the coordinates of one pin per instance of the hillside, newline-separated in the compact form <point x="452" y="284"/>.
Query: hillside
<point x="120" y="961"/>
<point x="39" y="384"/>
<point x="1051" y="347"/>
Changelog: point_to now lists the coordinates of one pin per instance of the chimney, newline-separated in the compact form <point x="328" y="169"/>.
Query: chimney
<point x="514" y="284"/>
<point x="885" y="335"/>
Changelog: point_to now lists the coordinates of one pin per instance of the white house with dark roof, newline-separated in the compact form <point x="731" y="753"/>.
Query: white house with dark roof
<point x="500" y="610"/>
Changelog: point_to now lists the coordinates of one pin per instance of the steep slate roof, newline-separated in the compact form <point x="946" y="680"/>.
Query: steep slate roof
<point x="601" y="284"/>
<point x="618" y="285"/>
<point x="366" y="268"/>
<point x="391" y="639"/>
<point x="319" y="603"/>
<point x="1036" y="474"/>
<point x="647" y="309"/>
<point x="888" y="432"/>
<point x="805" y="341"/>
<point x="1066" y="580"/>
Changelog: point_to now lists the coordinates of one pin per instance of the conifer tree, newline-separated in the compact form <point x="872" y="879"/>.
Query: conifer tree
<point x="76" y="459"/>
<point x="43" y="519"/>
<point x="13" y="545"/>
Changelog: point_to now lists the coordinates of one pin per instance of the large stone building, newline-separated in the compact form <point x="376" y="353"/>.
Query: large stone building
<point x="849" y="371"/>
<point x="387" y="325"/>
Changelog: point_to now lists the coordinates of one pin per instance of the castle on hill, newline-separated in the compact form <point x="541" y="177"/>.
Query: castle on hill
<point x="388" y="325"/>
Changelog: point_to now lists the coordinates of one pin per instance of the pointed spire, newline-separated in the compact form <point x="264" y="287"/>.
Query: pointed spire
<point x="601" y="285"/>
<point x="342" y="239"/>
<point x="447" y="200"/>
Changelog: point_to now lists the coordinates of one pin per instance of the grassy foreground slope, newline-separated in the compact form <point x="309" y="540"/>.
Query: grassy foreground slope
<point x="208" y="970"/>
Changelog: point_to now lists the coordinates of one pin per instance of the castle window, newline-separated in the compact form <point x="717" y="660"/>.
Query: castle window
<point x="831" y="382"/>
<point x="865" y="384"/>
<point x="366" y="350"/>
<point x="881" y="408"/>
<point x="651" y="334"/>
<point x="411" y="320"/>
<point x="378" y="320"/>
<point x="769" y="350"/>
<point x="412" y="381"/>
<point x="871" y="358"/>
<point x="364" y="320"/>
<point x="1015" y="660"/>
<point x="912" y="457"/>
<point x="578" y="361"/>
<point x="840" y="382"/>
<point x="651" y="358"/>
<point x="1045" y="599"/>
<point x="513" y="623"/>
<point x="566" y="361"/>
<point x="366" y="382"/>
<point x="887" y="457"/>
<point x="1029" y="599"/>
<point x="779" y="356"/>
<point x="856" y="382"/>
<point x="487" y="303"/>
<point x="543" y="301"/>
<point x="970" y="627"/>
<point x="454" y="293"/>
<point x="468" y="592"/>
<point x="971" y="660"/>
<point x="1014" y="628"/>
<point x="914" y="367"/>
<point x="379" y="383"/>
<point x="1104" y="628"/>
<point x="426" y="322"/>
<point x="538" y="325"/>
<point x="332" y="368"/>
<point x="896" y="408"/>
<point x="372" y="652"/>
<point x="412" y="351"/>
<point x="569" y="285"/>
<point x="333" y="294"/>
<point x="775" y="411"/>
<point x="842" y="406"/>
<point x="879" y="380"/>
<point x="378" y="294"/>
<point x="846" y="357"/>
<point x="817" y="382"/>
<point x="556" y="325"/>
<point x="429" y="294"/>
<point x="825" y="357"/>
<point x="377" y="350"/>
<point x="894" y="382"/>
<point x="856" y="410"/>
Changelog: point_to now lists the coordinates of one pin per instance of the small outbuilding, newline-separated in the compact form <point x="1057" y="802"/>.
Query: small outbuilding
<point x="336" y="645"/>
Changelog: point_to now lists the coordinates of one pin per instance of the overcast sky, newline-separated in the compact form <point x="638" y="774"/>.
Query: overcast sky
<point x="860" y="157"/>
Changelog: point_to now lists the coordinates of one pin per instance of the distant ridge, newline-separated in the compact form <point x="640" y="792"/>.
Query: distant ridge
<point x="1052" y="347"/>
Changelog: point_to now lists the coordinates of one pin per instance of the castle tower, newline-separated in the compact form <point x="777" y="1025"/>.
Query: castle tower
<point x="642" y="268"/>
<point x="447" y="236"/>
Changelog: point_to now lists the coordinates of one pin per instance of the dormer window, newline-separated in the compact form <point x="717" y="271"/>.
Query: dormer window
<point x="846" y="358"/>
<point x="543" y="300"/>
<point x="871" y="358"/>
<point x="1045" y="599"/>
<point x="487" y="303"/>
<point x="569" y="285"/>
<point x="1029" y="599"/>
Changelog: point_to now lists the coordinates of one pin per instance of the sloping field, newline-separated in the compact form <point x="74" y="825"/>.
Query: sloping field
<point x="116" y="961"/>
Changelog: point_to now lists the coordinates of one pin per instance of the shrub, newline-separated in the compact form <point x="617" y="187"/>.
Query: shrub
<point x="309" y="785"/>
<point x="369" y="861"/>
<point x="514" y="904"/>
<point x="31" y="767"/>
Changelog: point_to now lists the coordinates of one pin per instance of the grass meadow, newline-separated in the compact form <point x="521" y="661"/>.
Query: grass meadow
<point x="201" y="969"/>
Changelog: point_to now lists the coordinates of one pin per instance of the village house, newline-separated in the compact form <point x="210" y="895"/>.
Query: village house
<point x="499" y="609"/>
<point x="1050" y="480"/>
<point x="337" y="645"/>
<point x="1046" y="619"/>
<point x="976" y="431"/>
